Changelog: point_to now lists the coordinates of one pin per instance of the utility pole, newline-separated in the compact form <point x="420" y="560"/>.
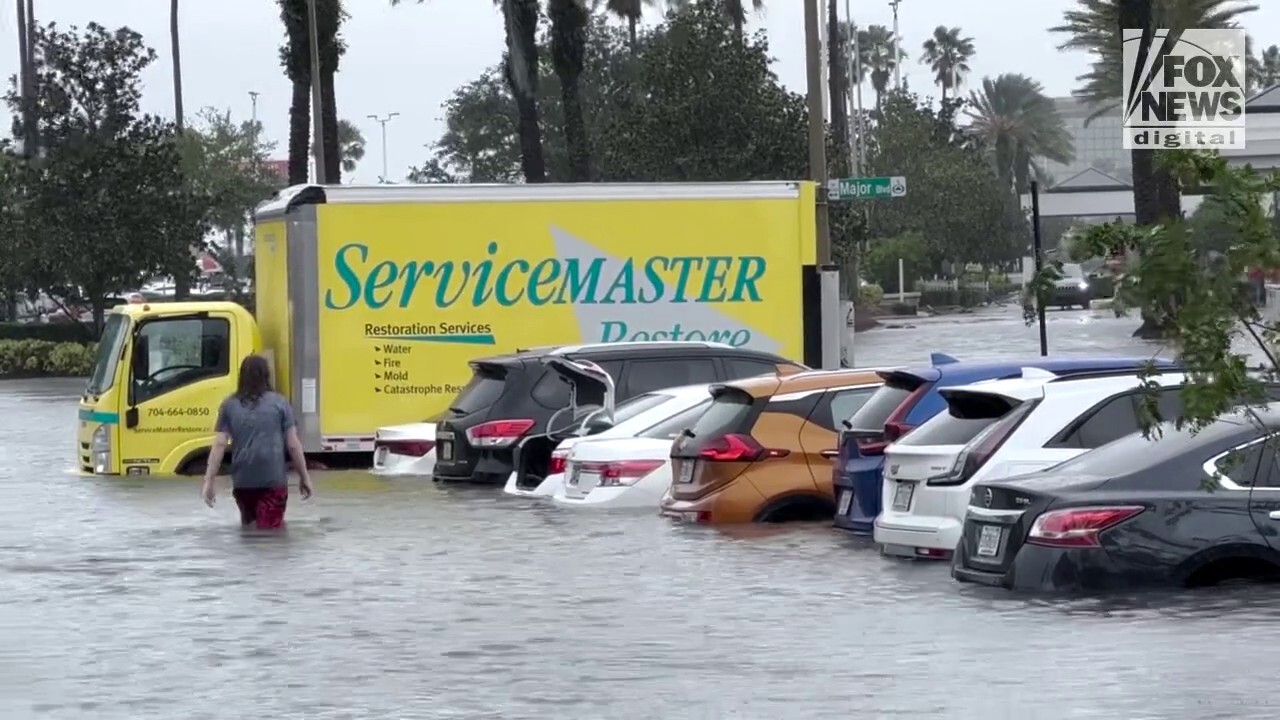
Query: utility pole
<point x="831" y="323"/>
<point x="317" y="106"/>
<point x="253" y="108"/>
<point x="383" y="122"/>
<point x="897" y="47"/>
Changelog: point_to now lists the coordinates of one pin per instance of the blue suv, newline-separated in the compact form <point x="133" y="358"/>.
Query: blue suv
<point x="908" y="398"/>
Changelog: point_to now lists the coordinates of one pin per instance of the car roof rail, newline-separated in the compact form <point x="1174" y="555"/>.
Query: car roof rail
<point x="652" y="345"/>
<point x="1088" y="374"/>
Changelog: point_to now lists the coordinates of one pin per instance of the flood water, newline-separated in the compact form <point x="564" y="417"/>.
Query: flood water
<point x="128" y="598"/>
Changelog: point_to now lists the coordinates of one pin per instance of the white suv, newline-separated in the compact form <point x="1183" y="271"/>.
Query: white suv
<point x="997" y="429"/>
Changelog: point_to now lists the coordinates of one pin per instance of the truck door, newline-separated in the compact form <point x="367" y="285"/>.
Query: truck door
<point x="179" y="373"/>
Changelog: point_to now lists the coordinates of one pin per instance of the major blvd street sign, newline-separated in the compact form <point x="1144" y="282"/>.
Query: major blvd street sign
<point x="867" y="188"/>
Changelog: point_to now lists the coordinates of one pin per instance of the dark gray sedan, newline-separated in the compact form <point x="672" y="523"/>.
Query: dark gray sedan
<point x="1178" y="510"/>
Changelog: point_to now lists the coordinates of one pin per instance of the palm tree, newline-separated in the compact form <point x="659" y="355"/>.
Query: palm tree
<point x="295" y="56"/>
<point x="1269" y="68"/>
<point x="736" y="10"/>
<point x="1019" y="124"/>
<point x="351" y="145"/>
<point x="1094" y="26"/>
<point x="569" y="20"/>
<point x="520" y="22"/>
<point x="947" y="54"/>
<point x="881" y="58"/>
<point x="631" y="11"/>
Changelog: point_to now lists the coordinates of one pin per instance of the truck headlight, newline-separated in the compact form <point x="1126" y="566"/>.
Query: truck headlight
<point x="1084" y="285"/>
<point x="100" y="448"/>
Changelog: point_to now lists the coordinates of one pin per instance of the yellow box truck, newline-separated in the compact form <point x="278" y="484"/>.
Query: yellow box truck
<point x="371" y="301"/>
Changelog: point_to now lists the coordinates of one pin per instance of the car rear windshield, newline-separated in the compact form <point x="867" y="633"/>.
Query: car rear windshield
<point x="484" y="389"/>
<point x="727" y="413"/>
<point x="872" y="416"/>
<point x="966" y="415"/>
<point x="671" y="427"/>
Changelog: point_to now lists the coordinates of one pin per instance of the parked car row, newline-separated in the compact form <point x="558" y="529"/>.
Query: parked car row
<point x="1029" y="474"/>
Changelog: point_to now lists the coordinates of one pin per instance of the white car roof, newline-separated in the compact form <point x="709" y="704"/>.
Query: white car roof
<point x="1036" y="383"/>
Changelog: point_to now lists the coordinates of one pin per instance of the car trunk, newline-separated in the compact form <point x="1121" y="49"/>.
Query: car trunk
<point x="591" y="398"/>
<point x="1000" y="515"/>
<point x="703" y="457"/>
<point x="473" y="405"/>
<point x="591" y="457"/>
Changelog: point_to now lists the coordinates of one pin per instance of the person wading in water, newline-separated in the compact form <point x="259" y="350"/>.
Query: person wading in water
<point x="259" y="425"/>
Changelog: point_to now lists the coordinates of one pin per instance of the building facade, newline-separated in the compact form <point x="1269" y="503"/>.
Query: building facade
<point x="1099" y="144"/>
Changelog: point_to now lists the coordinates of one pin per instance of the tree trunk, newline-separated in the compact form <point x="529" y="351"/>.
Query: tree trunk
<point x="299" y="131"/>
<point x="521" y="19"/>
<point x="1156" y="196"/>
<point x="837" y="84"/>
<point x="329" y="114"/>
<point x="632" y="37"/>
<point x="568" y="45"/>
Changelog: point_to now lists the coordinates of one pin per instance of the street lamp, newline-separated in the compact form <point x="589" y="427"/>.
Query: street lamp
<point x="383" y="122"/>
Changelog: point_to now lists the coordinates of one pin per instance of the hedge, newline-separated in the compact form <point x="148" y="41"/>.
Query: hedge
<point x="52" y="332"/>
<point x="41" y="358"/>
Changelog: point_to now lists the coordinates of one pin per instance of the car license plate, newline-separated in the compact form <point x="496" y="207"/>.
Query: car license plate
<point x="989" y="540"/>
<point x="686" y="471"/>
<point x="902" y="496"/>
<point x="846" y="499"/>
<point x="587" y="482"/>
<point x="380" y="456"/>
<point x="446" y="450"/>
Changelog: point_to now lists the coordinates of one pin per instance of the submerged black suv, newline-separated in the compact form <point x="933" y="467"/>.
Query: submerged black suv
<point x="513" y="396"/>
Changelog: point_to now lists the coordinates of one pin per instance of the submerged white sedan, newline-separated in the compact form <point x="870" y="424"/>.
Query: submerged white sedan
<point x="631" y="472"/>
<point x="633" y="417"/>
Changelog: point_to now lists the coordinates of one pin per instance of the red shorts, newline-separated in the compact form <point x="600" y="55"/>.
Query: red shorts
<point x="263" y="506"/>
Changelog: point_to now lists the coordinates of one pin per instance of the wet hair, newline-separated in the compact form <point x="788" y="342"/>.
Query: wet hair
<point x="255" y="380"/>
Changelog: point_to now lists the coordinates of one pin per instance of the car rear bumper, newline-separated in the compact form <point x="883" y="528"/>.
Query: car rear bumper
<point x="918" y="535"/>
<point x="490" y="468"/>
<point x="1054" y="570"/>
<point x="546" y="488"/>
<point x="393" y="464"/>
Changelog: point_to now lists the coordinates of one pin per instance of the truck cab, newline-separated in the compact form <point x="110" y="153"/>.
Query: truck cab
<point x="162" y="370"/>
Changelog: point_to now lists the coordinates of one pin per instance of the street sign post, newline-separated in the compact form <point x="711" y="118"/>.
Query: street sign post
<point x="867" y="188"/>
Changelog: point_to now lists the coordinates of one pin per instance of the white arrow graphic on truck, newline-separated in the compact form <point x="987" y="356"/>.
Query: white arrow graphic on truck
<point x="665" y="320"/>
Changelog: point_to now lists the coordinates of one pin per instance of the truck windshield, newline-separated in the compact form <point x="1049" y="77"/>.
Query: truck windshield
<point x="103" y="375"/>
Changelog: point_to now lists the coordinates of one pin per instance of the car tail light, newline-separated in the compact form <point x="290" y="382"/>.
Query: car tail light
<point x="1078" y="527"/>
<point x="894" y="431"/>
<point x="622" y="473"/>
<point x="559" y="458"/>
<point x="498" y="433"/>
<point x="982" y="447"/>
<point x="415" y="448"/>
<point x="738" y="448"/>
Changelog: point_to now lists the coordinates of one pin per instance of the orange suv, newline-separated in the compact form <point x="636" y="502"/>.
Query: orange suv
<point x="762" y="451"/>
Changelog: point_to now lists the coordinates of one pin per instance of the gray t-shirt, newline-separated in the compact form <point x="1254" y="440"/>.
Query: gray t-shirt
<point x="257" y="432"/>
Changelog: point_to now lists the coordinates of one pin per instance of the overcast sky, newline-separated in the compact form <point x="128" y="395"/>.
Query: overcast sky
<point x="410" y="58"/>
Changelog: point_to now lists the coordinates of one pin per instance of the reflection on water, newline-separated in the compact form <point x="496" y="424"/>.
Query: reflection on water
<point x="130" y="599"/>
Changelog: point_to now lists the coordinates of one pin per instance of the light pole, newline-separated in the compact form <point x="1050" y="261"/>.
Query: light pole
<point x="897" y="47"/>
<point x="317" y="106"/>
<point x="383" y="122"/>
<point x="253" y="112"/>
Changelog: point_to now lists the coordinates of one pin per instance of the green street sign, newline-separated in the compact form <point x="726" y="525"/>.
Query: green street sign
<point x="867" y="188"/>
